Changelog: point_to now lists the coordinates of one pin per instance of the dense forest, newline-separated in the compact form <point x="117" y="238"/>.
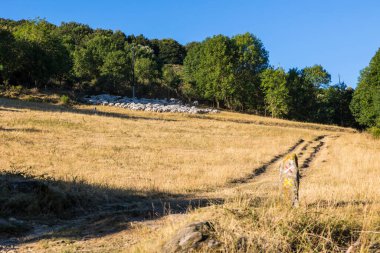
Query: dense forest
<point x="228" y="72"/>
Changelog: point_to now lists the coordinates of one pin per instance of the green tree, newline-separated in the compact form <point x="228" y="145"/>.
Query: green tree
<point x="304" y="86"/>
<point x="191" y="64"/>
<point x="172" y="77"/>
<point x="316" y="76"/>
<point x="170" y="52"/>
<point x="333" y="105"/>
<point x="145" y="70"/>
<point x="116" y="68"/>
<point x="105" y="61"/>
<point x="251" y="60"/>
<point x="275" y="90"/>
<point x="74" y="34"/>
<point x="42" y="53"/>
<point x="210" y="67"/>
<point x="138" y="40"/>
<point x="8" y="55"/>
<point x="365" y="104"/>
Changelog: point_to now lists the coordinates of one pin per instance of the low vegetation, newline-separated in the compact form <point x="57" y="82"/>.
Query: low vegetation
<point x="136" y="150"/>
<point x="97" y="175"/>
<point x="92" y="178"/>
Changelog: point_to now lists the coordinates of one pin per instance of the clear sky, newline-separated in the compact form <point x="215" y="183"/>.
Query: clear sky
<point x="341" y="35"/>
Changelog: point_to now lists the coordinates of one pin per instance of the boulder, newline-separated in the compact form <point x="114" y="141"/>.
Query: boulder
<point x="193" y="237"/>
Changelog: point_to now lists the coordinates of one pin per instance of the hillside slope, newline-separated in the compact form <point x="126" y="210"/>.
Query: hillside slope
<point x="127" y="181"/>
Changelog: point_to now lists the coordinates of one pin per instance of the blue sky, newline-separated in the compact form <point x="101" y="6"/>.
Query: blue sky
<point x="341" y="35"/>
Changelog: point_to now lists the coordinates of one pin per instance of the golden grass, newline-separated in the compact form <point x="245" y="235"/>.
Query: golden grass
<point x="146" y="152"/>
<point x="346" y="171"/>
<point x="340" y="204"/>
<point x="179" y="154"/>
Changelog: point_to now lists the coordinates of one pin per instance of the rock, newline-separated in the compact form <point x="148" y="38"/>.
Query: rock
<point x="289" y="180"/>
<point x="190" y="240"/>
<point x="193" y="237"/>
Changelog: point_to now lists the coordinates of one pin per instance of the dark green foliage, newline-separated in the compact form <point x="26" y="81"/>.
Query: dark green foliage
<point x="74" y="34"/>
<point x="139" y="40"/>
<point x="215" y="73"/>
<point x="8" y="54"/>
<point x="304" y="86"/>
<point x="227" y="70"/>
<point x="333" y="105"/>
<point x="251" y="60"/>
<point x="276" y="93"/>
<point x="170" y="52"/>
<point x="104" y="62"/>
<point x="365" y="105"/>
<point x="37" y="53"/>
<point x="230" y="72"/>
<point x="172" y="77"/>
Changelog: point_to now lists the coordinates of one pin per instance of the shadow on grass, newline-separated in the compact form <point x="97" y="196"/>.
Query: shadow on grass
<point x="289" y="123"/>
<point x="16" y="105"/>
<point x="39" y="208"/>
<point x="28" y="130"/>
<point x="9" y="110"/>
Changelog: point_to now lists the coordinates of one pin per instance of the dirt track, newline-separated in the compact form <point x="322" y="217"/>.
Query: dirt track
<point x="108" y="221"/>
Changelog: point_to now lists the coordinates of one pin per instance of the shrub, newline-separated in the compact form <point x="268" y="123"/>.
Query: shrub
<point x="375" y="131"/>
<point x="64" y="99"/>
<point x="14" y="90"/>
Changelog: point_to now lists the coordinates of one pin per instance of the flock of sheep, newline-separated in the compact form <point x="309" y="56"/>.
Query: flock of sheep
<point x="151" y="105"/>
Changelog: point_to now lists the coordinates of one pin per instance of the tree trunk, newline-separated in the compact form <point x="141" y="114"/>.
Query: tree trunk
<point x="217" y="103"/>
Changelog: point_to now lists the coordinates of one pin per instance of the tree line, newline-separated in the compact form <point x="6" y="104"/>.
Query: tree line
<point x="365" y="104"/>
<point x="228" y="72"/>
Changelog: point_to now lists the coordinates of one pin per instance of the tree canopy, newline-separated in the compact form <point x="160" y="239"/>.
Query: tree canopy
<point x="227" y="72"/>
<point x="365" y="104"/>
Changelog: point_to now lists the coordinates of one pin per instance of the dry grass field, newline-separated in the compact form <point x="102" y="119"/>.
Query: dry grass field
<point x="129" y="180"/>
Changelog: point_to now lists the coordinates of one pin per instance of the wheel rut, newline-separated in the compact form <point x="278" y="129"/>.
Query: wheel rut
<point x="261" y="169"/>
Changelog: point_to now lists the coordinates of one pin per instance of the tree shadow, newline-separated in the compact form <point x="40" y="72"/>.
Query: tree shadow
<point x="27" y="130"/>
<point x="9" y="110"/>
<point x="290" y="123"/>
<point x="39" y="208"/>
<point x="16" y="105"/>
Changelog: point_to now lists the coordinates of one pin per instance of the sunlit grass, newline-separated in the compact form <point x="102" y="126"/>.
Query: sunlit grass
<point x="200" y="155"/>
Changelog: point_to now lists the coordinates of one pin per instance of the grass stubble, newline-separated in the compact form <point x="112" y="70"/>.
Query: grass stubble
<point x="169" y="154"/>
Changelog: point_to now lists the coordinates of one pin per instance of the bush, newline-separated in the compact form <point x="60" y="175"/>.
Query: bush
<point x="64" y="99"/>
<point x="13" y="91"/>
<point x="375" y="131"/>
